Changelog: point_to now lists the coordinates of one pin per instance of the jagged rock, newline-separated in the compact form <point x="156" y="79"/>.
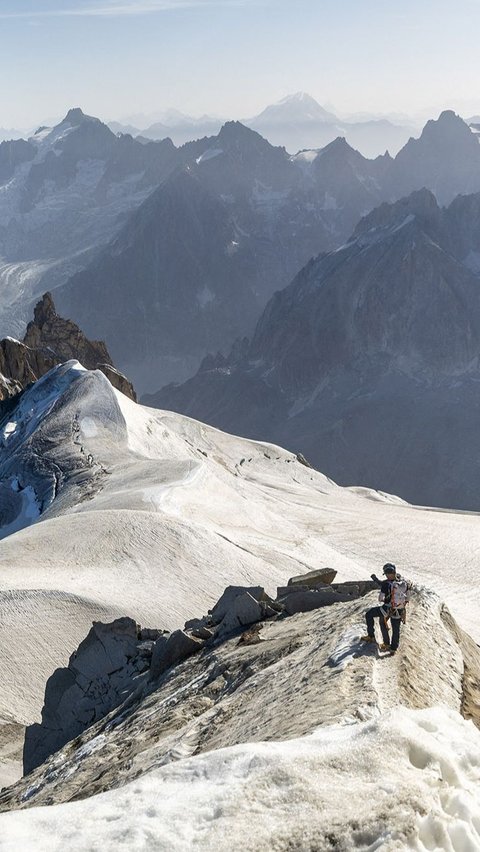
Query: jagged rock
<point x="313" y="578"/>
<point x="306" y="600"/>
<point x="301" y="458"/>
<point x="283" y="591"/>
<point x="147" y="633"/>
<point x="51" y="340"/>
<point x="226" y="601"/>
<point x="20" y="366"/>
<point x="173" y="650"/>
<point x="197" y="623"/>
<point x="245" y="609"/>
<point x="202" y="633"/>
<point x="100" y="675"/>
<point x="63" y="340"/>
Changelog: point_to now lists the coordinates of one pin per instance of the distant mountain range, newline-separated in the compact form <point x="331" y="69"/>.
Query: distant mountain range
<point x="168" y="253"/>
<point x="63" y="193"/>
<point x="369" y="362"/>
<point x="195" y="265"/>
<point x="296" y="122"/>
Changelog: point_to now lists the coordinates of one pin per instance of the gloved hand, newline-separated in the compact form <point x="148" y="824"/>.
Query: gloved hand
<point x="374" y="578"/>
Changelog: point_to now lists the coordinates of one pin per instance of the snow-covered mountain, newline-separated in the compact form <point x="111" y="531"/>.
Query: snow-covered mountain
<point x="64" y="192"/>
<point x="295" y="122"/>
<point x="230" y="220"/>
<point x="211" y="245"/>
<point x="214" y="243"/>
<point x="151" y="516"/>
<point x="368" y="363"/>
<point x="299" y="121"/>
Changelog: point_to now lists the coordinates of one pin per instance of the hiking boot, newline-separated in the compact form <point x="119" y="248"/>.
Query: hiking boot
<point x="367" y="639"/>
<point x="384" y="647"/>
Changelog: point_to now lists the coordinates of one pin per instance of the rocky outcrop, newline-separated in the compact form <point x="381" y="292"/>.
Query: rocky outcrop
<point x="20" y="366"/>
<point x="116" y="659"/>
<point x="282" y="682"/>
<point x="51" y="340"/>
<point x="49" y="331"/>
<point x="107" y="666"/>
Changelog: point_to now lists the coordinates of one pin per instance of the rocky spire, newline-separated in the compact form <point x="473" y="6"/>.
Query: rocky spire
<point x="50" y="340"/>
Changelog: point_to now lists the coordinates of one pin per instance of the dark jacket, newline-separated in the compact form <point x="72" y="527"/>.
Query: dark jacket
<point x="385" y="587"/>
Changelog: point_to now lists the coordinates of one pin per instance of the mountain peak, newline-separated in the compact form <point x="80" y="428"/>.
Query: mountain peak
<point x="420" y="205"/>
<point x="75" y="116"/>
<point x="449" y="116"/>
<point x="299" y="97"/>
<point x="448" y="126"/>
<point x="299" y="107"/>
<point x="235" y="132"/>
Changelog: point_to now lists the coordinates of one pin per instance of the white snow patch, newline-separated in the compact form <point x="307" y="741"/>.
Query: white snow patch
<point x="208" y="155"/>
<point x="8" y="430"/>
<point x="424" y="764"/>
<point x="88" y="427"/>
<point x="232" y="248"/>
<point x="347" y="647"/>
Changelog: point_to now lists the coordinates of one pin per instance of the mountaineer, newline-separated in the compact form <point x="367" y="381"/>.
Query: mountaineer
<point x="394" y="596"/>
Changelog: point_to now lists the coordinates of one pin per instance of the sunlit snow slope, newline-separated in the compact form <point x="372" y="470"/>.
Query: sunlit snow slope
<point x="128" y="510"/>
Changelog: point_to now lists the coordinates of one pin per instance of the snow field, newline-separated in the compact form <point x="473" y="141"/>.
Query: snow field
<point x="409" y="779"/>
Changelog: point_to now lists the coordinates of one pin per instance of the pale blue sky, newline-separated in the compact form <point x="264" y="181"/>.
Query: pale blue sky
<point x="233" y="57"/>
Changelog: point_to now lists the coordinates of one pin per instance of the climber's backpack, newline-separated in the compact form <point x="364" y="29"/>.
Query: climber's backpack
<point x="399" y="593"/>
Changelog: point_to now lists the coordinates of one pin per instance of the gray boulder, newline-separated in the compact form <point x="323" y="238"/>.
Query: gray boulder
<point x="313" y="578"/>
<point x="305" y="600"/>
<point x="176" y="648"/>
<point x="225" y="602"/>
<point x="105" y="669"/>
<point x="243" y="611"/>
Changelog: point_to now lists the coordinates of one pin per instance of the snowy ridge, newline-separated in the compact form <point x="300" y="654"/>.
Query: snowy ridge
<point x="421" y="767"/>
<point x="153" y="515"/>
<point x="294" y="724"/>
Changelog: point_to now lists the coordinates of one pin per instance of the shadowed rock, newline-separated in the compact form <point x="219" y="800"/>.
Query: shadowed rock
<point x="51" y="340"/>
<point x="173" y="650"/>
<point x="99" y="676"/>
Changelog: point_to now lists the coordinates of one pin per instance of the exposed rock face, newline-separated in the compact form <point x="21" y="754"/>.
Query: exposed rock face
<point x="107" y="666"/>
<point x="446" y="159"/>
<point x="20" y="366"/>
<point x="63" y="337"/>
<point x="229" y="220"/>
<point x="206" y="250"/>
<point x="368" y="361"/>
<point x="51" y="340"/>
<point x="113" y="661"/>
<point x="281" y="685"/>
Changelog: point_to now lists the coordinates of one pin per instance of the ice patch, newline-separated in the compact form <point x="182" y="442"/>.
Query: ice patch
<point x="347" y="647"/>
<point x="8" y="430"/>
<point x="88" y="427"/>
<point x="208" y="155"/>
